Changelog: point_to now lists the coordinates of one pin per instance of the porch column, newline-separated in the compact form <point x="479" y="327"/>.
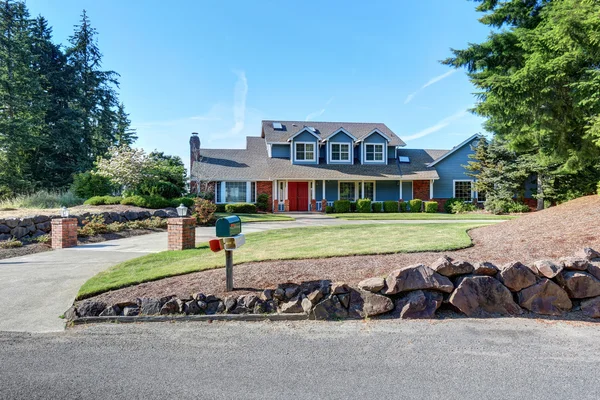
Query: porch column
<point x="400" y="189"/>
<point x="313" y="196"/>
<point x="431" y="189"/>
<point x="275" y="196"/>
<point x="286" y="202"/>
<point x="362" y="189"/>
<point x="323" y="189"/>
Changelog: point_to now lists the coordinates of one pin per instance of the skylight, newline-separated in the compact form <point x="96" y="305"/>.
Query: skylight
<point x="404" y="159"/>
<point x="277" y="125"/>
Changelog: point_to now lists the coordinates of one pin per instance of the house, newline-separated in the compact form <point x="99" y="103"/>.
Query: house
<point x="305" y="166"/>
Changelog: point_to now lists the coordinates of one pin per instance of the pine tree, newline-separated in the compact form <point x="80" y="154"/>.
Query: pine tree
<point x="124" y="135"/>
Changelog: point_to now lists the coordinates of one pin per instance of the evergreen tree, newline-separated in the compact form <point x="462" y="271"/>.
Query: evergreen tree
<point x="124" y="135"/>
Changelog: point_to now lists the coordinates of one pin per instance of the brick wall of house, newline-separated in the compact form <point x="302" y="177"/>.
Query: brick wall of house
<point x="441" y="204"/>
<point x="421" y="190"/>
<point x="64" y="233"/>
<point x="181" y="233"/>
<point x="265" y="187"/>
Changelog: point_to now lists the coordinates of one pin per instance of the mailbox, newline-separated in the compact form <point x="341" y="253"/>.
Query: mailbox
<point x="234" y="242"/>
<point x="229" y="226"/>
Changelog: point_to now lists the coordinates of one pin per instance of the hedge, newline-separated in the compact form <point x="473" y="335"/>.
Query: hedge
<point x="147" y="201"/>
<point x="240" y="208"/>
<point x="449" y="203"/>
<point x="390" y="206"/>
<point x="402" y="206"/>
<point x="186" y="201"/>
<point x="341" y="206"/>
<point x="376" y="207"/>
<point x="431" y="207"/>
<point x="329" y="210"/>
<point x="415" y="205"/>
<point x="102" y="200"/>
<point x="363" y="206"/>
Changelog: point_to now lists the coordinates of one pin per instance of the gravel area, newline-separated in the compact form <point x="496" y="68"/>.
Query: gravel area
<point x="551" y="233"/>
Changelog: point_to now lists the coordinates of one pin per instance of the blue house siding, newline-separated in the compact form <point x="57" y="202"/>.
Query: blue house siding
<point x="341" y="137"/>
<point x="391" y="153"/>
<point x="387" y="190"/>
<point x="331" y="190"/>
<point x="450" y="169"/>
<point x="319" y="190"/>
<point x="304" y="137"/>
<point x="407" y="191"/>
<point x="375" y="138"/>
<point x="280" y="151"/>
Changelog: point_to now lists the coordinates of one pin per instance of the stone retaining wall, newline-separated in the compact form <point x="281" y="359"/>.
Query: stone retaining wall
<point x="545" y="287"/>
<point x="37" y="225"/>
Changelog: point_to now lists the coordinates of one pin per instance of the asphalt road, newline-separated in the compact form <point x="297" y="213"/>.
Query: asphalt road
<point x="449" y="359"/>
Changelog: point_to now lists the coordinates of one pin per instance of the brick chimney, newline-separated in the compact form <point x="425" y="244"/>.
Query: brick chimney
<point x="194" y="157"/>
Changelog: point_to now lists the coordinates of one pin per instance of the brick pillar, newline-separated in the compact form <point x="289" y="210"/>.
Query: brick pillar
<point x="275" y="205"/>
<point x="64" y="233"/>
<point x="286" y="205"/>
<point x="182" y="233"/>
<point x="313" y="205"/>
<point x="421" y="190"/>
<point x="323" y="205"/>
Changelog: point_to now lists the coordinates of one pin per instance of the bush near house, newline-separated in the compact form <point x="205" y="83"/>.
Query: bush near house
<point x="502" y="206"/>
<point x="186" y="201"/>
<point x="103" y="200"/>
<point x="205" y="211"/>
<point x="363" y="206"/>
<point x="262" y="202"/>
<point x="329" y="210"/>
<point x="390" y="206"/>
<point x="415" y="205"/>
<point x="88" y="184"/>
<point x="460" y="207"/>
<point x="146" y="201"/>
<point x="377" y="207"/>
<point x="220" y="208"/>
<point x="450" y="203"/>
<point x="431" y="207"/>
<point x="341" y="206"/>
<point x="352" y="206"/>
<point x="403" y="206"/>
<point x="240" y="208"/>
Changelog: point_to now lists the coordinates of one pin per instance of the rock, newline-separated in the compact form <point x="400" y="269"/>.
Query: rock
<point x="40" y="219"/>
<point x="364" y="303"/>
<point x="483" y="296"/>
<point x="419" y="304"/>
<point x="4" y="229"/>
<point x="292" y="306"/>
<point x="517" y="276"/>
<point x="291" y="292"/>
<point x="344" y="299"/>
<point x="199" y="297"/>
<point x="12" y="222"/>
<point x="315" y="296"/>
<point x="131" y="311"/>
<point x="447" y="267"/>
<point x="579" y="284"/>
<point x="416" y="277"/>
<point x="574" y="263"/>
<point x="372" y="284"/>
<point x="71" y="314"/>
<point x="109" y="312"/>
<point x="91" y="308"/>
<point x="279" y="294"/>
<point x="214" y="307"/>
<point x="230" y="303"/>
<point x="202" y="305"/>
<point x="19" y="232"/>
<point x="442" y="262"/>
<point x="25" y="222"/>
<point x="31" y="228"/>
<point x="587" y="253"/>
<point x="131" y="215"/>
<point x="485" y="268"/>
<point x="306" y="305"/>
<point x="591" y="307"/>
<point x="171" y="213"/>
<point x="173" y="306"/>
<point x="247" y="300"/>
<point x="44" y="226"/>
<point x="191" y="308"/>
<point x="259" y="307"/>
<point x="5" y="236"/>
<point x="210" y="298"/>
<point x="594" y="269"/>
<point x="144" y="215"/>
<point x="339" y="288"/>
<point x="548" y="268"/>
<point x="266" y="295"/>
<point x="38" y="234"/>
<point x="330" y="308"/>
<point x="150" y="306"/>
<point x="159" y="213"/>
<point x="545" y="297"/>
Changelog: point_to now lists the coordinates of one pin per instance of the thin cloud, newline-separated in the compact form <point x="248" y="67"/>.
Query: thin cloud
<point x="440" y="125"/>
<point x="317" y="114"/>
<point x="429" y="83"/>
<point x="240" y="93"/>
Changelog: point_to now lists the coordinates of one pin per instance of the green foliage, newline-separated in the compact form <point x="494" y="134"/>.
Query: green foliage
<point x="205" y="211"/>
<point x="42" y="199"/>
<point x="403" y="206"/>
<point x="11" y="244"/>
<point x="353" y="206"/>
<point x="363" y="206"/>
<point x="431" y="206"/>
<point x="377" y="207"/>
<point x="166" y="176"/>
<point x="415" y="205"/>
<point x="460" y="207"/>
<point x="390" y="206"/>
<point x="103" y="200"/>
<point x="329" y="210"/>
<point x="146" y="201"/>
<point x="448" y="206"/>
<point x="95" y="225"/>
<point x="341" y="206"/>
<point x="240" y="208"/>
<point x="262" y="202"/>
<point x="501" y="206"/>
<point x="186" y="201"/>
<point x="87" y="184"/>
<point x="220" y="208"/>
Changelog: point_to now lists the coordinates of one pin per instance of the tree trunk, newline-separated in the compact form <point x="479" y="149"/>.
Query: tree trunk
<point x="540" y="193"/>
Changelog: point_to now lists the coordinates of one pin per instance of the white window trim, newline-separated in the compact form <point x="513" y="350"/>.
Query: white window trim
<point x="364" y="153"/>
<point x="315" y="151"/>
<point x="462" y="180"/>
<point x="350" y="153"/>
<point x="248" y="191"/>
<point x="356" y="192"/>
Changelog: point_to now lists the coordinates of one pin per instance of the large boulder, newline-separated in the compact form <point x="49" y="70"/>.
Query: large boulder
<point x="330" y="308"/>
<point x="90" y="308"/>
<point x="109" y="311"/>
<point x="131" y="215"/>
<point x="12" y="222"/>
<point x="416" y="277"/>
<point x="545" y="297"/>
<point x="4" y="229"/>
<point x="483" y="296"/>
<point x="364" y="303"/>
<point x="339" y="288"/>
<point x="517" y="276"/>
<point x="315" y="296"/>
<point x="19" y="232"/>
<point x="574" y="263"/>
<point x="292" y="306"/>
<point x="214" y="307"/>
<point x="247" y="300"/>
<point x="485" y="268"/>
<point x="579" y="284"/>
<point x="173" y="306"/>
<point x="587" y="253"/>
<point x="448" y="267"/>
<point x="419" y="304"/>
<point x="372" y="284"/>
<point x="594" y="269"/>
<point x="591" y="307"/>
<point x="192" y="308"/>
<point x="38" y="219"/>
<point x="43" y="226"/>
<point x="150" y="306"/>
<point x="548" y="268"/>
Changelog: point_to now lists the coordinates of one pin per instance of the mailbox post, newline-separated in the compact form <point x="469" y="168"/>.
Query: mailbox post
<point x="229" y="238"/>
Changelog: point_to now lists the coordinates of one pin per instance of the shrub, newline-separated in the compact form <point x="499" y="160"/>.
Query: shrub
<point x="135" y="200"/>
<point x="390" y="206"/>
<point x="415" y="205"/>
<point x="402" y="206"/>
<point x="363" y="206"/>
<point x="352" y="206"/>
<point x="504" y="206"/>
<point x="450" y="202"/>
<point x="329" y="210"/>
<point x="220" y="208"/>
<point x="240" y="208"/>
<point x="460" y="207"/>
<point x="11" y="244"/>
<point x="186" y="201"/>
<point x="146" y="201"/>
<point x="43" y="199"/>
<point x="431" y="207"/>
<point x="341" y="206"/>
<point x="517" y="207"/>
<point x="42" y="239"/>
<point x="89" y="184"/>
<point x="103" y="200"/>
<point x="377" y="207"/>
<point x="93" y="226"/>
<point x="205" y="211"/>
<point x="164" y="189"/>
<point x="262" y="202"/>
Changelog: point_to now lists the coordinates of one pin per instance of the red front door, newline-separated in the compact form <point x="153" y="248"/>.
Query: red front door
<point x="298" y="196"/>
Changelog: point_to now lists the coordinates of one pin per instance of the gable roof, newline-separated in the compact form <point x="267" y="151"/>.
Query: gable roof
<point x="455" y="148"/>
<point x="323" y="130"/>
<point x="376" y="131"/>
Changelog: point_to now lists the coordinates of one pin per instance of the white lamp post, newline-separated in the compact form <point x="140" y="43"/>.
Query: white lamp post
<point x="182" y="210"/>
<point x="64" y="212"/>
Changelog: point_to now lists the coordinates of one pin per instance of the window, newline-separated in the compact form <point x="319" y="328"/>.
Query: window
<point x="347" y="190"/>
<point x="305" y="151"/>
<point x="235" y="192"/>
<point x="369" y="190"/>
<point x="340" y="152"/>
<point x="463" y="190"/>
<point x="218" y="192"/>
<point x="252" y="192"/>
<point x="373" y="152"/>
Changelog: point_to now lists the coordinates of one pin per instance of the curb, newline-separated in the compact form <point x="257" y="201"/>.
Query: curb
<point x="215" y="317"/>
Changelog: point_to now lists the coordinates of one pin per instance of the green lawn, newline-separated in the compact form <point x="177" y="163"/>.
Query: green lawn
<point x="258" y="217"/>
<point x="294" y="243"/>
<point x="420" y="216"/>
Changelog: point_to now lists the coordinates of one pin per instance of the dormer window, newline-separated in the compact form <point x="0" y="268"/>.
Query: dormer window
<point x="340" y="152"/>
<point x="374" y="152"/>
<point x="305" y="151"/>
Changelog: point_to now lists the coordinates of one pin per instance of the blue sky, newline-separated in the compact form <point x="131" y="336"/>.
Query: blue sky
<point x="219" y="68"/>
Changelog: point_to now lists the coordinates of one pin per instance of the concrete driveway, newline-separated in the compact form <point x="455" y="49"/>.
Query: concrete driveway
<point x="36" y="289"/>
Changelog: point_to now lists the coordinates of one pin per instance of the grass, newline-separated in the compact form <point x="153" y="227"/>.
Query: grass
<point x="257" y="217"/>
<point x="286" y="244"/>
<point x="421" y="216"/>
<point x="42" y="199"/>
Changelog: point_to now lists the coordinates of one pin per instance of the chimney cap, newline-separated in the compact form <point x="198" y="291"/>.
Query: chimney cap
<point x="194" y="133"/>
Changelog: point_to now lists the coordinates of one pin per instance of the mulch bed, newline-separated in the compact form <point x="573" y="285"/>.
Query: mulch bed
<point x="25" y="250"/>
<point x="552" y="233"/>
